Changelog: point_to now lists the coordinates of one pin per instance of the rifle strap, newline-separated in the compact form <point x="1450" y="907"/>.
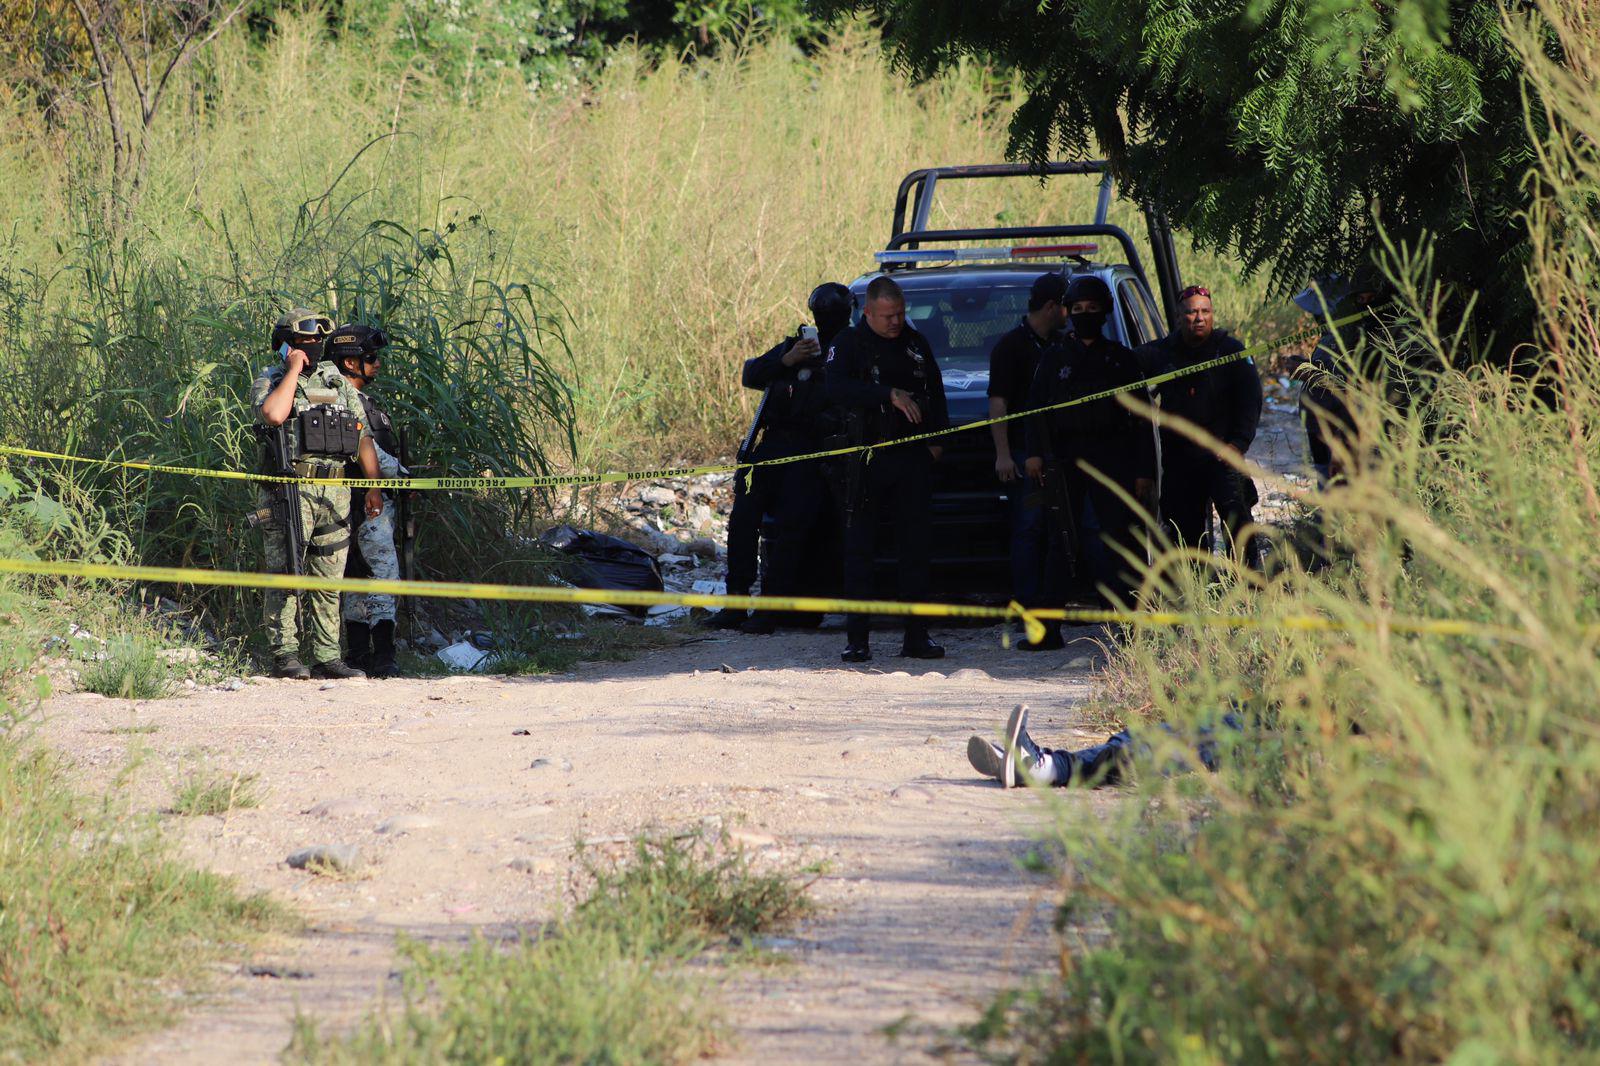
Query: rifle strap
<point x="328" y="549"/>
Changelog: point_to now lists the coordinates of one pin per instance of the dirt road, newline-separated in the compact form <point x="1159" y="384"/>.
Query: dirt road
<point x="466" y="794"/>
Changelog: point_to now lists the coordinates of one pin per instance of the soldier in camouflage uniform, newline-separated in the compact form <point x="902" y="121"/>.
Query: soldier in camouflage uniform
<point x="281" y="392"/>
<point x="369" y="617"/>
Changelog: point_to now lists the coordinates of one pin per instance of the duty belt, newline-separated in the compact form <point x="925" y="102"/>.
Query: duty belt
<point x="313" y="469"/>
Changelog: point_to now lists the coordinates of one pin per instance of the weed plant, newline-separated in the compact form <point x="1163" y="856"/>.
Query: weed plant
<point x="1396" y="860"/>
<point x="208" y="792"/>
<point x="131" y="669"/>
<point x="606" y="984"/>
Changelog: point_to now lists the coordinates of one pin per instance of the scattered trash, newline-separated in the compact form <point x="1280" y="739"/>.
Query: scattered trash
<point x="605" y="562"/>
<point x="464" y="655"/>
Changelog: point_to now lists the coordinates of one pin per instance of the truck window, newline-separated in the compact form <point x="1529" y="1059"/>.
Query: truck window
<point x="962" y="324"/>
<point x="1137" y="322"/>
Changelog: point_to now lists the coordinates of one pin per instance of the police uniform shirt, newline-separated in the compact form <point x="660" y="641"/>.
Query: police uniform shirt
<point x="1225" y="401"/>
<point x="863" y="368"/>
<point x="1012" y="363"/>
<point x="795" y="401"/>
<point x="1115" y="438"/>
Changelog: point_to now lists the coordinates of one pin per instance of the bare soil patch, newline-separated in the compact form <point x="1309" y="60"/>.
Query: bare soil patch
<point x="464" y="796"/>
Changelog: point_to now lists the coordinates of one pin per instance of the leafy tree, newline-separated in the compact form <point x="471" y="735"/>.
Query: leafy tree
<point x="542" y="42"/>
<point x="121" y="53"/>
<point x="1284" y="131"/>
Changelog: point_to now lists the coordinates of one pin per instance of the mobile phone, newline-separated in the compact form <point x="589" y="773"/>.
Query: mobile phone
<point x="283" y="349"/>
<point x="808" y="333"/>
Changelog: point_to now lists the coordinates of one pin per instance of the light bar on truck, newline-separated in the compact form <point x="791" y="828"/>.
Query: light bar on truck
<point x="951" y="255"/>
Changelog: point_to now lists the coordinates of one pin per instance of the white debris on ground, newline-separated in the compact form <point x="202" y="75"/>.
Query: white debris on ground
<point x="1280" y="448"/>
<point x="684" y="522"/>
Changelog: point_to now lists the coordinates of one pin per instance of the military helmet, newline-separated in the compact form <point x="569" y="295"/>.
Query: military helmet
<point x="355" y="340"/>
<point x="831" y="298"/>
<point x="1088" y="287"/>
<point x="300" y="322"/>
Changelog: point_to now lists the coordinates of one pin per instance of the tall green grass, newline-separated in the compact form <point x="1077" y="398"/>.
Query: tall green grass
<point x="102" y="930"/>
<point x="680" y="209"/>
<point x="1396" y="861"/>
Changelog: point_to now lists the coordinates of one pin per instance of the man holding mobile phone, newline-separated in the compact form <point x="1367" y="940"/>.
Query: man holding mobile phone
<point x="787" y="423"/>
<point x="308" y="402"/>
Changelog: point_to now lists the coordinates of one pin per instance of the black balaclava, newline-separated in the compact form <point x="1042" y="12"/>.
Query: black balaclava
<point x="1088" y="324"/>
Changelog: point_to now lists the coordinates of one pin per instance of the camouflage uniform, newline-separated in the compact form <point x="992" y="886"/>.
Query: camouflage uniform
<point x="375" y="537"/>
<point x="325" y="518"/>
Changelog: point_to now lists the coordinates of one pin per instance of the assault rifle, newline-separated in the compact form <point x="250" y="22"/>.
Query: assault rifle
<point x="747" y="447"/>
<point x="279" y="442"/>
<point x="407" y="517"/>
<point x="850" y="477"/>
<point x="1057" y="502"/>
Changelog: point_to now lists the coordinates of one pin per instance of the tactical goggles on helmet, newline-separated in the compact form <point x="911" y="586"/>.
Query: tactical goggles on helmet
<point x="314" y="326"/>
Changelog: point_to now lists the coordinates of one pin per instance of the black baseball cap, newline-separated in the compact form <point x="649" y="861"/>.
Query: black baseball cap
<point x="1047" y="287"/>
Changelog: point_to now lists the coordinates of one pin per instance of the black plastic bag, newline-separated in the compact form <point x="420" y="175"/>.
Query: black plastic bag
<point x="603" y="562"/>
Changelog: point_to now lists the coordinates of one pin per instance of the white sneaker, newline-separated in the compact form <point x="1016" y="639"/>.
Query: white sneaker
<point x="1023" y="759"/>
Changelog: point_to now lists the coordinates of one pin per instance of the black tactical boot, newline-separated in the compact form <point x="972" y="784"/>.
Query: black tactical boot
<point x="1051" y="641"/>
<point x="335" y="669"/>
<point x="358" y="636"/>
<point x="760" y="624"/>
<point x="921" y="649"/>
<point x="290" y="667"/>
<point x="856" y="653"/>
<point x="381" y="662"/>
<point x="727" y="618"/>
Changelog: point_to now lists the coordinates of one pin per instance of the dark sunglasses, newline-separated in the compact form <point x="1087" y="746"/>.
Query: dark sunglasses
<point x="1194" y="290"/>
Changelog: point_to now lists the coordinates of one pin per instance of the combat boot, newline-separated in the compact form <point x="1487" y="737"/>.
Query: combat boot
<point x="336" y="670"/>
<point x="1051" y="641"/>
<point x="727" y="618"/>
<point x="381" y="662"/>
<point x="290" y="667"/>
<point x="760" y="624"/>
<point x="358" y="637"/>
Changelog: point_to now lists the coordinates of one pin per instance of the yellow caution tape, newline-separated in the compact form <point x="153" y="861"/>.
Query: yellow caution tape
<point x="1033" y="619"/>
<point x="548" y="481"/>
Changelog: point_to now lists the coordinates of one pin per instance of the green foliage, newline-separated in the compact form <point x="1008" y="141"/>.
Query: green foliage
<point x="1285" y="132"/>
<point x="1396" y="859"/>
<point x="208" y="792"/>
<point x="679" y="890"/>
<point x="157" y="357"/>
<point x="99" y="924"/>
<point x="476" y="46"/>
<point x="606" y="984"/>
<point x="130" y="668"/>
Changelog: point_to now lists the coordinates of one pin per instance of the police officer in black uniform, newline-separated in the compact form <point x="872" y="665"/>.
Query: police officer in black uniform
<point x="882" y="376"/>
<point x="1012" y="364"/>
<point x="1225" y="401"/>
<point x="1330" y="429"/>
<point x="1103" y="435"/>
<point x="788" y="422"/>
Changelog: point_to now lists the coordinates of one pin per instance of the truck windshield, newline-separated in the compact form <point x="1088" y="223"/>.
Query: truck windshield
<point x="962" y="324"/>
